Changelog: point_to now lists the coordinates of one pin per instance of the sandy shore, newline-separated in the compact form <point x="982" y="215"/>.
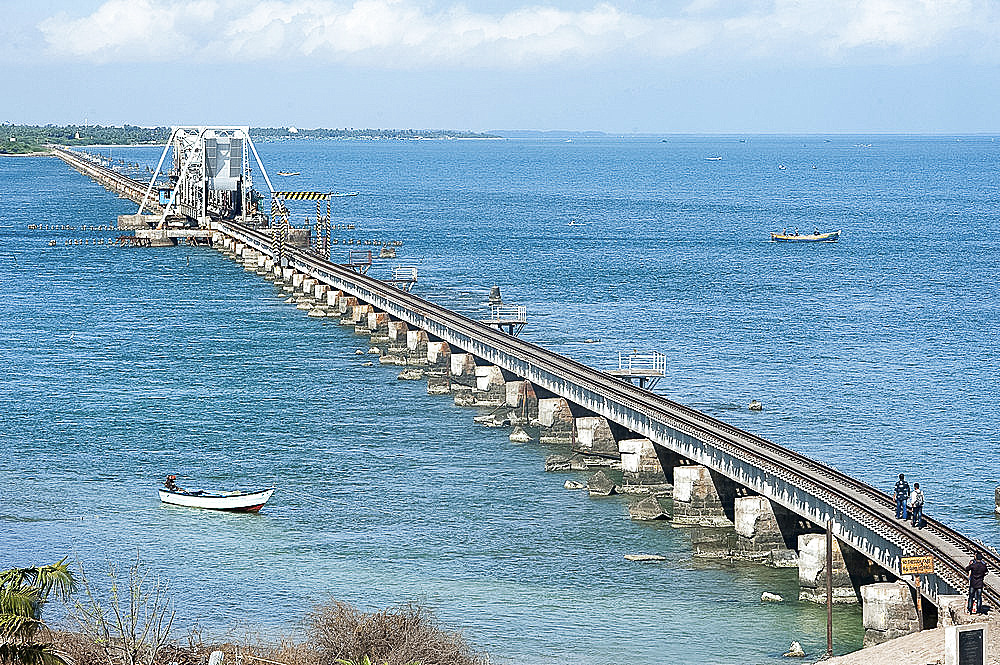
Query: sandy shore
<point x="925" y="648"/>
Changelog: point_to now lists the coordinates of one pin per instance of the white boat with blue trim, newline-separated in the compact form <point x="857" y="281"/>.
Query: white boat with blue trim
<point x="242" y="502"/>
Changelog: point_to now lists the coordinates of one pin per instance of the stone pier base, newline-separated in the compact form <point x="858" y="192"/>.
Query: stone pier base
<point x="555" y="421"/>
<point x="888" y="611"/>
<point x="696" y="498"/>
<point x="758" y="535"/>
<point x="640" y="465"/>
<point x="416" y="347"/>
<point x="463" y="376"/>
<point x="522" y="401"/>
<point x="812" y="571"/>
<point x="594" y="437"/>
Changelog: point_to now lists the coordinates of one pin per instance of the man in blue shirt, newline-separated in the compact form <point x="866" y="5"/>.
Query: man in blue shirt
<point x="902" y="494"/>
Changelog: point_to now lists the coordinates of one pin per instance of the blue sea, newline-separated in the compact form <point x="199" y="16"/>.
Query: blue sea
<point x="877" y="355"/>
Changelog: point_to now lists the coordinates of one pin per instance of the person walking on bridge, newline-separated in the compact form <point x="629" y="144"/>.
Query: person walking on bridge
<point x="917" y="505"/>
<point x="902" y="494"/>
<point x="977" y="570"/>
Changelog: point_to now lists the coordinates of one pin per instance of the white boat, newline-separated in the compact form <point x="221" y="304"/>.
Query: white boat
<point x="245" y="502"/>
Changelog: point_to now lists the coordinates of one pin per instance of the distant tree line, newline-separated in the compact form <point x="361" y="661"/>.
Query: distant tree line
<point x="23" y="139"/>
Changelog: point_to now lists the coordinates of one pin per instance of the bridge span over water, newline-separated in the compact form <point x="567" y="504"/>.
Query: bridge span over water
<point x="722" y="476"/>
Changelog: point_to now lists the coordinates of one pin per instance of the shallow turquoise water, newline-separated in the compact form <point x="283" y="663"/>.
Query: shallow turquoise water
<point x="877" y="355"/>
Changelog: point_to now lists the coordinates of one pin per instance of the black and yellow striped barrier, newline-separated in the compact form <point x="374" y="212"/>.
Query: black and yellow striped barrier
<point x="304" y="196"/>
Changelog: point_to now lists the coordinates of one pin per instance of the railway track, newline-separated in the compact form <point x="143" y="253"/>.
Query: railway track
<point x="127" y="187"/>
<point x="865" y="504"/>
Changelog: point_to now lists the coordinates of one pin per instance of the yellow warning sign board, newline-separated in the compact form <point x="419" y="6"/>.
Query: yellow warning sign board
<point x="916" y="565"/>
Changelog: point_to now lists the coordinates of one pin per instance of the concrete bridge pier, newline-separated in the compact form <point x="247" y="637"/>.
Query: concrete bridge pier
<point x="396" y="350"/>
<point x="307" y="286"/>
<point x="888" y="611"/>
<point x="523" y="402"/>
<point x="249" y="259"/>
<point x="364" y="310"/>
<point x="295" y="282"/>
<point x="417" y="343"/>
<point x="641" y="467"/>
<point x="438" y="371"/>
<point x="345" y="307"/>
<point x="288" y="278"/>
<point x="760" y="534"/>
<point x="556" y="423"/>
<point x="489" y="388"/>
<point x="378" y="326"/>
<point x="357" y="317"/>
<point x="463" y="374"/>
<point x="701" y="496"/>
<point x="812" y="571"/>
<point x="700" y="502"/>
<point x="264" y="265"/>
<point x="594" y="437"/>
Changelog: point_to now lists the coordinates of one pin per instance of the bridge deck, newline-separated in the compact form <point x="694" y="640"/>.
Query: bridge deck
<point x="862" y="516"/>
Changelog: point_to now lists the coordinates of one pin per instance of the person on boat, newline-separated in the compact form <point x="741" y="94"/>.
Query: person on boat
<point x="977" y="570"/>
<point x="796" y="232"/>
<point x="170" y="484"/>
<point x="902" y="494"/>
<point x="815" y="231"/>
<point x="917" y="505"/>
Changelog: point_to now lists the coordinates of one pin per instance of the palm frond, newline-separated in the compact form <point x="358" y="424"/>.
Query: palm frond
<point x="31" y="654"/>
<point x="53" y="577"/>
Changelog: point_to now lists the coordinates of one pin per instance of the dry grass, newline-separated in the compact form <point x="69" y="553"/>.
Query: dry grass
<point x="336" y="631"/>
<point x="400" y="635"/>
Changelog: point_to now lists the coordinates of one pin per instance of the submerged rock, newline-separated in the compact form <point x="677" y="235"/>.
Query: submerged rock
<point x="645" y="557"/>
<point x="411" y="374"/>
<point x="795" y="651"/>
<point x="648" y="508"/>
<point x="600" y="485"/>
<point x="563" y="463"/>
<point x="520" y="435"/>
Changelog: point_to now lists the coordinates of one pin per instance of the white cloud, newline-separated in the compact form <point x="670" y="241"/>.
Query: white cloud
<point x="411" y="34"/>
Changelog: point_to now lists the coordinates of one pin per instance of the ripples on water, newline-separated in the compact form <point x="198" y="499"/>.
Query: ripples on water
<point x="876" y="355"/>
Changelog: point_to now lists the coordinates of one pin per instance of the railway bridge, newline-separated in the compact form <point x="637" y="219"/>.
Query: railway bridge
<point x="742" y="495"/>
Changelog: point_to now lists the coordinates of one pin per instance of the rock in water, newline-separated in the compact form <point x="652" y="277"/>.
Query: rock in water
<point x="795" y="651"/>
<point x="756" y="405"/>
<point x="645" y="557"/>
<point x="520" y="435"/>
<point x="648" y="508"/>
<point x="768" y="597"/>
<point x="563" y="463"/>
<point x="600" y="485"/>
<point x="411" y="374"/>
<point x="574" y="485"/>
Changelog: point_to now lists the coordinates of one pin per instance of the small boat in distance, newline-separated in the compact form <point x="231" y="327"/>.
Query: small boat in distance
<point x="288" y="173"/>
<point x="713" y="159"/>
<point x="832" y="236"/>
<point x="573" y="222"/>
<point x="241" y="502"/>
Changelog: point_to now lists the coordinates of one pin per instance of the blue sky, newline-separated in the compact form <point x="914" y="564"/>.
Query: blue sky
<point x="698" y="66"/>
